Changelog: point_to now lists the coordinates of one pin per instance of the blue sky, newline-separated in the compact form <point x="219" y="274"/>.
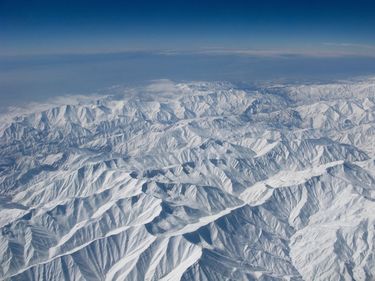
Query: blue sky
<point x="47" y="27"/>
<point x="51" y="48"/>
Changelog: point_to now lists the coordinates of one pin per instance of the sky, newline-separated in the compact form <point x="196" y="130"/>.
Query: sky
<point x="93" y="26"/>
<point x="51" y="48"/>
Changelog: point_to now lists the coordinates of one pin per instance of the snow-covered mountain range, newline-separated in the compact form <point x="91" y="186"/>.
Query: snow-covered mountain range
<point x="192" y="181"/>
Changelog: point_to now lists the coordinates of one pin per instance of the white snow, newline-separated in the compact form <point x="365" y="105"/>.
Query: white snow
<point x="191" y="181"/>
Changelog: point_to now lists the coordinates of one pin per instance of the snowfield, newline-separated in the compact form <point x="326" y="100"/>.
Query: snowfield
<point x="191" y="181"/>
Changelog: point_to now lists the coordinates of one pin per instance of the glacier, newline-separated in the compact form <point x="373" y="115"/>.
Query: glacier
<point x="191" y="181"/>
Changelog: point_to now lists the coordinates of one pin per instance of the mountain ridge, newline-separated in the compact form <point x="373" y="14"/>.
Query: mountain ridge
<point x="192" y="181"/>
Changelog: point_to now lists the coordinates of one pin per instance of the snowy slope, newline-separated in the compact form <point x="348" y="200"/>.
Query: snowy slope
<point x="192" y="181"/>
